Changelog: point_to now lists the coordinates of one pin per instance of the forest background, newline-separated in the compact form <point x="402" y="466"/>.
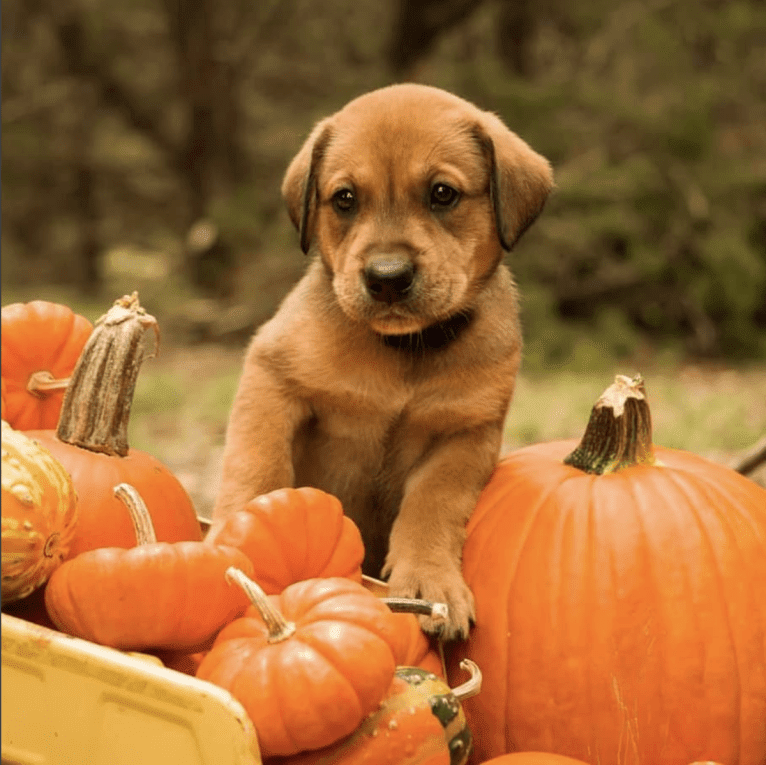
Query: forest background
<point x="144" y="141"/>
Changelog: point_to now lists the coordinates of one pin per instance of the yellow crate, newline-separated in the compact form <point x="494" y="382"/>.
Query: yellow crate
<point x="67" y="701"/>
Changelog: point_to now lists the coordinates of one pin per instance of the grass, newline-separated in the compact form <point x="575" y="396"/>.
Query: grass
<point x="183" y="398"/>
<point x="713" y="412"/>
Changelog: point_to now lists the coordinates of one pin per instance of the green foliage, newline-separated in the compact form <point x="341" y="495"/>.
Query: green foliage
<point x="183" y="399"/>
<point x="652" y="115"/>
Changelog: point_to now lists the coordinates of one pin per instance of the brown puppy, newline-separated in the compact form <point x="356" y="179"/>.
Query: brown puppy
<point x="386" y="374"/>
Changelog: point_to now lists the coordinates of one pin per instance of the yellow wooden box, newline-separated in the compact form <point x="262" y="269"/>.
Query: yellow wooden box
<point x="67" y="701"/>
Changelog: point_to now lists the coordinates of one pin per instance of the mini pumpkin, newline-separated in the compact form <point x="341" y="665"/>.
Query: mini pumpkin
<point x="293" y="534"/>
<point x="154" y="595"/>
<point x="309" y="664"/>
<point x="91" y="439"/>
<point x="533" y="758"/>
<point x="39" y="508"/>
<point x="619" y="595"/>
<point x="41" y="342"/>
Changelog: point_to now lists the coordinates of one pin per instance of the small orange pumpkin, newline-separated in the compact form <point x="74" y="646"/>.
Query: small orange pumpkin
<point x="154" y="595"/>
<point x="309" y="664"/>
<point x="293" y="534"/>
<point x="41" y="342"/>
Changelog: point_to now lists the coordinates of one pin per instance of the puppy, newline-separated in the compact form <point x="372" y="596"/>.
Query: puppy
<point x="385" y="376"/>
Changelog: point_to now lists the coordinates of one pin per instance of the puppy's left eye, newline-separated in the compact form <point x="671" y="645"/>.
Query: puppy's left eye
<point x="443" y="196"/>
<point x="344" y="201"/>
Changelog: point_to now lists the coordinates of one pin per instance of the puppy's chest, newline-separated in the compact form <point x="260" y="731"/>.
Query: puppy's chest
<point x="373" y="429"/>
<point x="377" y="407"/>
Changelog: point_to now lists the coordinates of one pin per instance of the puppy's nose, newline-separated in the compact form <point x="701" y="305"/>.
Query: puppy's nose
<point x="389" y="278"/>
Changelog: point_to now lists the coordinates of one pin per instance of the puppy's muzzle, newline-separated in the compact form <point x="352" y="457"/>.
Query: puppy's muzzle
<point x="389" y="278"/>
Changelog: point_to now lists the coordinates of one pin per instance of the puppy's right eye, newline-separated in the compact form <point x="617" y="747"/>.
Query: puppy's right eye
<point x="343" y="201"/>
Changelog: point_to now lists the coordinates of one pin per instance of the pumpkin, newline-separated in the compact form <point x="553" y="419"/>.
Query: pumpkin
<point x="619" y="599"/>
<point x="41" y="343"/>
<point x="416" y="649"/>
<point x="308" y="664"/>
<point x="419" y="722"/>
<point x="91" y="439"/>
<point x="155" y="595"/>
<point x="39" y="507"/>
<point x="293" y="534"/>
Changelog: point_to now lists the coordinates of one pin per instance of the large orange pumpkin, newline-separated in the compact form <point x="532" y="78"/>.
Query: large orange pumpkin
<point x="41" y="343"/>
<point x="308" y="664"/>
<point x="91" y="440"/>
<point x="620" y="600"/>
<point x="154" y="595"/>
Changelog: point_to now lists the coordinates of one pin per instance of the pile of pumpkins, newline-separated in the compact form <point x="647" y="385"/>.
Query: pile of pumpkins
<point x="620" y="587"/>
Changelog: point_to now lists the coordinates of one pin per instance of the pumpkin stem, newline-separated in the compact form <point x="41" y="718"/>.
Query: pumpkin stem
<point x="472" y="686"/>
<point x="437" y="611"/>
<point x="619" y="432"/>
<point x="43" y="382"/>
<point x="279" y="628"/>
<point x="139" y="513"/>
<point x="96" y="406"/>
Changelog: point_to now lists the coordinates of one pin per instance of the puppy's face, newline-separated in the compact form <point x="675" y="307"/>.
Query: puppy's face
<point x="409" y="195"/>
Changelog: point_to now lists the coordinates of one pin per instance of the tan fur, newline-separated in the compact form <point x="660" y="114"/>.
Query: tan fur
<point x="405" y="437"/>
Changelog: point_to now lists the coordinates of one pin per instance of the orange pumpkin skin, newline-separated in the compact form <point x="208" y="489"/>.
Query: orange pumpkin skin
<point x="103" y="520"/>
<point x="91" y="442"/>
<point x="533" y="758"/>
<point x="415" y="649"/>
<point x="38" y="337"/>
<point x="158" y="595"/>
<point x="623" y="614"/>
<point x="291" y="535"/>
<point x="3" y="413"/>
<point x="315" y="686"/>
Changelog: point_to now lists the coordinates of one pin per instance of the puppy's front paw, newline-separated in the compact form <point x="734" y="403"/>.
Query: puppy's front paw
<point x="441" y="584"/>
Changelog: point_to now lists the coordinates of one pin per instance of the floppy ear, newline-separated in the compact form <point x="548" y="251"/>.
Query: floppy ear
<point x="299" y="186"/>
<point x="520" y="179"/>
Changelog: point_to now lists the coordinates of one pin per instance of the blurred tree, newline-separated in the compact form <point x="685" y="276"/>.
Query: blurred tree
<point x="126" y="123"/>
<point x="417" y="27"/>
<point x="419" y="24"/>
<point x="516" y="27"/>
<point x="84" y="211"/>
<point x="212" y="266"/>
